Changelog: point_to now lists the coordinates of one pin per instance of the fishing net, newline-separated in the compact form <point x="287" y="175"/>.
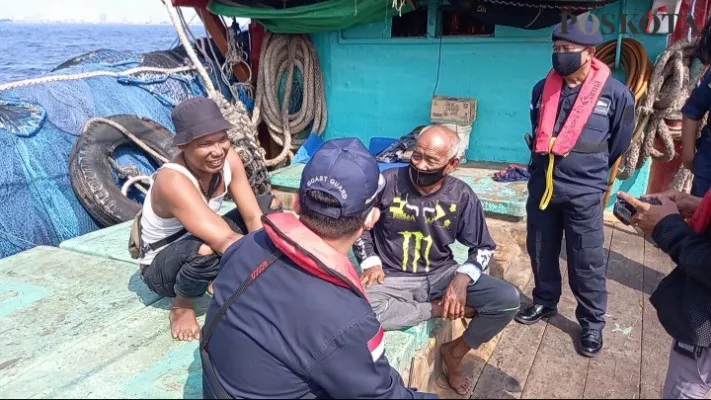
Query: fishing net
<point x="39" y="125"/>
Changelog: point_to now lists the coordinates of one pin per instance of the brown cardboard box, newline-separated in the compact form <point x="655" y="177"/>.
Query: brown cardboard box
<point x="453" y="110"/>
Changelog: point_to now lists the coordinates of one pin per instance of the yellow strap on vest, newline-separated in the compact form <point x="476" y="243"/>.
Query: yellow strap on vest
<point x="546" y="199"/>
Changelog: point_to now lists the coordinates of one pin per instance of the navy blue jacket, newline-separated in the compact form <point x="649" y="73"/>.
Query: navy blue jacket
<point x="612" y="121"/>
<point x="698" y="103"/>
<point x="683" y="298"/>
<point x="293" y="335"/>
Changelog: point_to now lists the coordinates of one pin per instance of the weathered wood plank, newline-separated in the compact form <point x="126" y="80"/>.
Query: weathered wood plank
<point x="615" y="372"/>
<point x="135" y="357"/>
<point x="655" y="340"/>
<point x="557" y="372"/>
<point x="51" y="297"/>
<point x="507" y="370"/>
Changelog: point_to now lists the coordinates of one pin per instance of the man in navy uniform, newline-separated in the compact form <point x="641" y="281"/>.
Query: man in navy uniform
<point x="290" y="317"/>
<point x="583" y="120"/>
<point x="697" y="153"/>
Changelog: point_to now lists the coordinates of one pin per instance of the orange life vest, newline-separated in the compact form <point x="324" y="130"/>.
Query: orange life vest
<point x="575" y="122"/>
<point x="579" y="114"/>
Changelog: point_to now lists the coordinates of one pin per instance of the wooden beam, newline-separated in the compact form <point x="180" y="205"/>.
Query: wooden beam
<point x="216" y="29"/>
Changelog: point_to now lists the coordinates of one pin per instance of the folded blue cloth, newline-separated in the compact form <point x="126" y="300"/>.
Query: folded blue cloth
<point x="513" y="173"/>
<point x="307" y="150"/>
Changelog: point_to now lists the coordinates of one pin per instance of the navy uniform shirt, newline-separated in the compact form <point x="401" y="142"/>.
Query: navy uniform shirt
<point x="414" y="231"/>
<point x="612" y="121"/>
<point x="698" y="103"/>
<point x="293" y="335"/>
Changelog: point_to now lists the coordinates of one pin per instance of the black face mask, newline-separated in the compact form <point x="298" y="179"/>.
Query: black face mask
<point x="426" y="178"/>
<point x="567" y="63"/>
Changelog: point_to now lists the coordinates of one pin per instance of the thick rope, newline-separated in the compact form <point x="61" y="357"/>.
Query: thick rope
<point x="282" y="54"/>
<point x="133" y="181"/>
<point x="93" y="74"/>
<point x="126" y="133"/>
<point x="244" y="132"/>
<point x="671" y="83"/>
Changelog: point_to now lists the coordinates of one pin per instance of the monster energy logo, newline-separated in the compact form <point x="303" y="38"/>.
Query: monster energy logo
<point x="418" y="239"/>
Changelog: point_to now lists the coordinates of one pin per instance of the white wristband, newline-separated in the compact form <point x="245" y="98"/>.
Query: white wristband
<point x="470" y="270"/>
<point x="370" y="262"/>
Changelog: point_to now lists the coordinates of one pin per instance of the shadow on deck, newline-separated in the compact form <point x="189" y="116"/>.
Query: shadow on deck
<point x="541" y="358"/>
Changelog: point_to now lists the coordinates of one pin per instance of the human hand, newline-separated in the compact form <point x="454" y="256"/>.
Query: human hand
<point x="370" y="222"/>
<point x="649" y="215"/>
<point x="685" y="203"/>
<point x="372" y="275"/>
<point x="454" y="300"/>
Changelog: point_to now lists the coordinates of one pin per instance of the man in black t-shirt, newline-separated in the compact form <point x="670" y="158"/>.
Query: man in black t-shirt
<point x="409" y="270"/>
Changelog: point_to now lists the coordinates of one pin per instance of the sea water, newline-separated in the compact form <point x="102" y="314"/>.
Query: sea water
<point x="30" y="50"/>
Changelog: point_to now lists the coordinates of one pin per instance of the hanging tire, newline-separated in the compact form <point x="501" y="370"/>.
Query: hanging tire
<point x="91" y="173"/>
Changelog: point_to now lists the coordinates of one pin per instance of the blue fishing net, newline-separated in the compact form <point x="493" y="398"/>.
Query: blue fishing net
<point x="40" y="124"/>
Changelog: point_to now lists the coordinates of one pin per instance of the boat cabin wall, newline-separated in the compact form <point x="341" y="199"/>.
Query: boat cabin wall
<point x="382" y="86"/>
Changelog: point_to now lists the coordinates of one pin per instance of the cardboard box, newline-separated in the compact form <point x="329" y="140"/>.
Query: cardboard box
<point x="453" y="110"/>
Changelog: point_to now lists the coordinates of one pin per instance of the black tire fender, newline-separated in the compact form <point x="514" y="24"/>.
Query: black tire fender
<point x="91" y="173"/>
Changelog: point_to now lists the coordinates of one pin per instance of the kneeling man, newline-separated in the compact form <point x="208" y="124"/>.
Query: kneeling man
<point x="182" y="234"/>
<point x="408" y="266"/>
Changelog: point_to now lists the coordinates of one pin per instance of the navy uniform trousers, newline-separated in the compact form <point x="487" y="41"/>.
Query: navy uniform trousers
<point x="580" y="219"/>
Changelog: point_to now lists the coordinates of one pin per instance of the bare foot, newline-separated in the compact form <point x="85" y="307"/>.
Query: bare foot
<point x="183" y="324"/>
<point x="460" y="383"/>
<point x="183" y="321"/>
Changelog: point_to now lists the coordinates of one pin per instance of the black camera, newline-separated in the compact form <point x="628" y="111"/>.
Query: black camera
<point x="624" y="211"/>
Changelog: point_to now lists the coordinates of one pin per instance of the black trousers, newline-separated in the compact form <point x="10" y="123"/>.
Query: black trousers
<point x="581" y="219"/>
<point x="179" y="269"/>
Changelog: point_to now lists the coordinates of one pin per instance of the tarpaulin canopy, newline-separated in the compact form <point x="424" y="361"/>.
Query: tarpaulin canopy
<point x="325" y="16"/>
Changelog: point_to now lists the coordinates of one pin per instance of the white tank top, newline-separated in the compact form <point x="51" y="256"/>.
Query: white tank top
<point x="155" y="228"/>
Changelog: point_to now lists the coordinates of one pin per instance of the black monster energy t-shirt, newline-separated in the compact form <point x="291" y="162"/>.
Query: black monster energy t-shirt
<point x="414" y="231"/>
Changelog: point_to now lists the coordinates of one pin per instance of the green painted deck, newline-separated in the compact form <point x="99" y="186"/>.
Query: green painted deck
<point x="503" y="198"/>
<point x="112" y="242"/>
<point x="79" y="322"/>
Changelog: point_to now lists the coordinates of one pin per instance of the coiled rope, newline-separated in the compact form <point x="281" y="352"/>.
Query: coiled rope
<point x="635" y="62"/>
<point x="244" y="132"/>
<point x="672" y="80"/>
<point x="281" y="54"/>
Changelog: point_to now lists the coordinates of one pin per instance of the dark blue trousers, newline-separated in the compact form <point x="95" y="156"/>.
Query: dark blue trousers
<point x="580" y="219"/>
<point x="702" y="166"/>
<point x="699" y="186"/>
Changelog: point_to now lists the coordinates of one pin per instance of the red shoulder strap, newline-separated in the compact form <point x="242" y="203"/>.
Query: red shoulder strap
<point x="310" y="252"/>
<point x="701" y="218"/>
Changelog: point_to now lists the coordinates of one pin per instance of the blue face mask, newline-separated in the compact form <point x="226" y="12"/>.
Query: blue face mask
<point x="567" y="63"/>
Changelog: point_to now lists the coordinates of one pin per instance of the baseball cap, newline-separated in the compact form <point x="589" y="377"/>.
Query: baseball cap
<point x="346" y="170"/>
<point x="197" y="117"/>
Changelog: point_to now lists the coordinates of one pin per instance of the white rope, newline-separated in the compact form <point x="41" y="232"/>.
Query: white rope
<point x="179" y="28"/>
<point x="93" y="74"/>
<point x="133" y="181"/>
<point x="282" y="54"/>
<point x="244" y="132"/>
<point x="128" y="134"/>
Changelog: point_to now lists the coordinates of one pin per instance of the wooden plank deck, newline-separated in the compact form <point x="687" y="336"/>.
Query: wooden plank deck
<point x="540" y="361"/>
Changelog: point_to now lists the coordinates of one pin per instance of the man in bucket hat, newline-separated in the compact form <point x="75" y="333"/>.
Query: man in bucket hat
<point x="182" y="235"/>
